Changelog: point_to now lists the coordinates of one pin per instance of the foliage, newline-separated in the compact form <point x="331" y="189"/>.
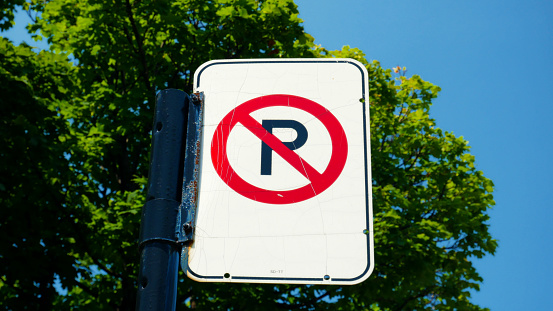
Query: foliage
<point x="7" y="16"/>
<point x="75" y="152"/>
<point x="430" y="201"/>
<point x="34" y="244"/>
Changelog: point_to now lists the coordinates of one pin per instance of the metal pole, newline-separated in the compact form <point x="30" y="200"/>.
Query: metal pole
<point x="159" y="250"/>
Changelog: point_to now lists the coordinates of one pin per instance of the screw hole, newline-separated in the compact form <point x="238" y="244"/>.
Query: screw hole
<point x="227" y="275"/>
<point x="144" y="282"/>
<point x="159" y="126"/>
<point x="187" y="227"/>
<point x="327" y="277"/>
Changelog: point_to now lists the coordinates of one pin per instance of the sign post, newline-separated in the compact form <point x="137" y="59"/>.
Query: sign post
<point x="159" y="248"/>
<point x="284" y="193"/>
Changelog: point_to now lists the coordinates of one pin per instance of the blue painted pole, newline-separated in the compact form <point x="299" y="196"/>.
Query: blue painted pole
<point x="159" y="248"/>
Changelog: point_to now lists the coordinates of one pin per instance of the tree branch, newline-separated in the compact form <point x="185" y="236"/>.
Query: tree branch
<point x="140" y="44"/>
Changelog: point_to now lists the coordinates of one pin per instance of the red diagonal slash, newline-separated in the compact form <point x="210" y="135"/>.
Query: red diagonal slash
<point x="272" y="141"/>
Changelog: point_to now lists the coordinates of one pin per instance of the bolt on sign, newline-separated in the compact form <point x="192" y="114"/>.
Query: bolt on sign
<point x="285" y="178"/>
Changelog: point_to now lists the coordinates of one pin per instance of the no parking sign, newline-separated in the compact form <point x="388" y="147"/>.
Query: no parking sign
<point x="285" y="185"/>
<point x="318" y="182"/>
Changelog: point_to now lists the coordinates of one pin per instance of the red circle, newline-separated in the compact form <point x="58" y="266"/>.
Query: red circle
<point x="319" y="182"/>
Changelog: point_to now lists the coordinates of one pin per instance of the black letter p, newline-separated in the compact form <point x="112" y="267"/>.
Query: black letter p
<point x="266" y="151"/>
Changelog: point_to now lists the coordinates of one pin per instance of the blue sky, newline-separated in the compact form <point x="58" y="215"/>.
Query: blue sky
<point x="494" y="62"/>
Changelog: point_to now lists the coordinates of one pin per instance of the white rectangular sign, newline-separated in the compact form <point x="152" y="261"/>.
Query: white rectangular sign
<point x="285" y="179"/>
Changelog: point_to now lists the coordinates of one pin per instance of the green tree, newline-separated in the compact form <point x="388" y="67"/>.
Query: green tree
<point x="7" y="8"/>
<point x="35" y="239"/>
<point x="75" y="197"/>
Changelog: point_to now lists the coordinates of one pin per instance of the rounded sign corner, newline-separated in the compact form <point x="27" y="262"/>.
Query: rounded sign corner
<point x="201" y="278"/>
<point x="193" y="276"/>
<point x="365" y="275"/>
<point x="361" y="67"/>
<point x="201" y="69"/>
